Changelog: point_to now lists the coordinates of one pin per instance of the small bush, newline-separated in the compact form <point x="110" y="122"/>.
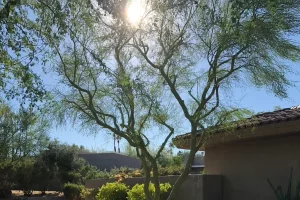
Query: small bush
<point x="137" y="191"/>
<point x="89" y="193"/>
<point x="136" y="173"/>
<point x="72" y="191"/>
<point x="171" y="170"/>
<point x="113" y="191"/>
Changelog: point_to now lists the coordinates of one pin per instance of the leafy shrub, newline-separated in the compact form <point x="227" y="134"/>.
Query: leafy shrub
<point x="24" y="175"/>
<point x="113" y="191"/>
<point x="89" y="193"/>
<point x="137" y="191"/>
<point x="289" y="196"/>
<point x="7" y="178"/>
<point x="72" y="191"/>
<point x="171" y="170"/>
<point x="203" y="172"/>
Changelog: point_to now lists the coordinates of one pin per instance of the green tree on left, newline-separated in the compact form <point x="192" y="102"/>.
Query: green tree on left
<point x="23" y="134"/>
<point x="24" y="53"/>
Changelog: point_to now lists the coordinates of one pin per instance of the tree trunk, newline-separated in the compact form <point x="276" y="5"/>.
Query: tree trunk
<point x="156" y="180"/>
<point x="147" y="177"/>
<point x="184" y="175"/>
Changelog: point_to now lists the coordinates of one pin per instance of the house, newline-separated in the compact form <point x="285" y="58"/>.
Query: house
<point x="110" y="160"/>
<point x="264" y="146"/>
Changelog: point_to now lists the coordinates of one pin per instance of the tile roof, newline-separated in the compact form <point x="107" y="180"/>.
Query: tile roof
<point x="283" y="115"/>
<point x="287" y="114"/>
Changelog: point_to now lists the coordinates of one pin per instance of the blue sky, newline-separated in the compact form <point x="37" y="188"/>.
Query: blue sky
<point x="258" y="100"/>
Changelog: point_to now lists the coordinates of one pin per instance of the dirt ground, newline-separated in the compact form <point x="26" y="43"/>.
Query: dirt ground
<point x="19" y="193"/>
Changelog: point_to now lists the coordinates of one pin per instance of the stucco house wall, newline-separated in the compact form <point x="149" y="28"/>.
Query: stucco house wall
<point x="246" y="165"/>
<point x="264" y="146"/>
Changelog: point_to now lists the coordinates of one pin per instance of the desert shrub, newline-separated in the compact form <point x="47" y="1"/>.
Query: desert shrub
<point x="178" y="160"/>
<point x="113" y="191"/>
<point x="137" y="191"/>
<point x="89" y="193"/>
<point x="7" y="178"/>
<point x="72" y="191"/>
<point x="24" y="175"/>
<point x="171" y="170"/>
<point x="136" y="173"/>
<point x="175" y="170"/>
<point x="290" y="194"/>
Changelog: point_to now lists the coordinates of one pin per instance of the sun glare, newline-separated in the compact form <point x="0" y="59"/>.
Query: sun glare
<point x="134" y="11"/>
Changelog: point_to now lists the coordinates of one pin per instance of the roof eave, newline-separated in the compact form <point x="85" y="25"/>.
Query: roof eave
<point x="265" y="130"/>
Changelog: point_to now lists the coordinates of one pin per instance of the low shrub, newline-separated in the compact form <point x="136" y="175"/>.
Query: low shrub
<point x="89" y="193"/>
<point x="137" y="191"/>
<point x="171" y="170"/>
<point x="113" y="191"/>
<point x="136" y="173"/>
<point x="72" y="191"/>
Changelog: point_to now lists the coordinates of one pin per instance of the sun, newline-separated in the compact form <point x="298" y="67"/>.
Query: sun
<point x="134" y="11"/>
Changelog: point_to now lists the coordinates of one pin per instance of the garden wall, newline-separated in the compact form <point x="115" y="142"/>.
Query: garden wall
<point x="196" y="187"/>
<point x="246" y="165"/>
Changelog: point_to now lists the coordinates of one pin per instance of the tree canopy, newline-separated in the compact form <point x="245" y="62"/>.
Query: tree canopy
<point x="174" y="64"/>
<point x="169" y="69"/>
<point x="22" y="133"/>
<point x="24" y="52"/>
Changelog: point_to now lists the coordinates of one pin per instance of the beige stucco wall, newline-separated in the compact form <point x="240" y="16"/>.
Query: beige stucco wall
<point x="246" y="165"/>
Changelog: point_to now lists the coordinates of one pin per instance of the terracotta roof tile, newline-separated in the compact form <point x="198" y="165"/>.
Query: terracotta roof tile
<point x="287" y="114"/>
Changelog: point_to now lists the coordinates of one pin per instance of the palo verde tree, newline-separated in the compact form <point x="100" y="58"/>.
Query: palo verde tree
<point x="23" y="48"/>
<point x="127" y="75"/>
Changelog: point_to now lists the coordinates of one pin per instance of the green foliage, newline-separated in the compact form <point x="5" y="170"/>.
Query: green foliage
<point x="72" y="191"/>
<point x="171" y="170"/>
<point x="289" y="194"/>
<point x="130" y="151"/>
<point x="89" y="193"/>
<point x="24" y="175"/>
<point x="24" y="27"/>
<point x="178" y="160"/>
<point x="7" y="176"/>
<point x="119" y="174"/>
<point x="22" y="133"/>
<point x="113" y="191"/>
<point x="233" y="43"/>
<point x="61" y="161"/>
<point x="203" y="172"/>
<point x="137" y="191"/>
